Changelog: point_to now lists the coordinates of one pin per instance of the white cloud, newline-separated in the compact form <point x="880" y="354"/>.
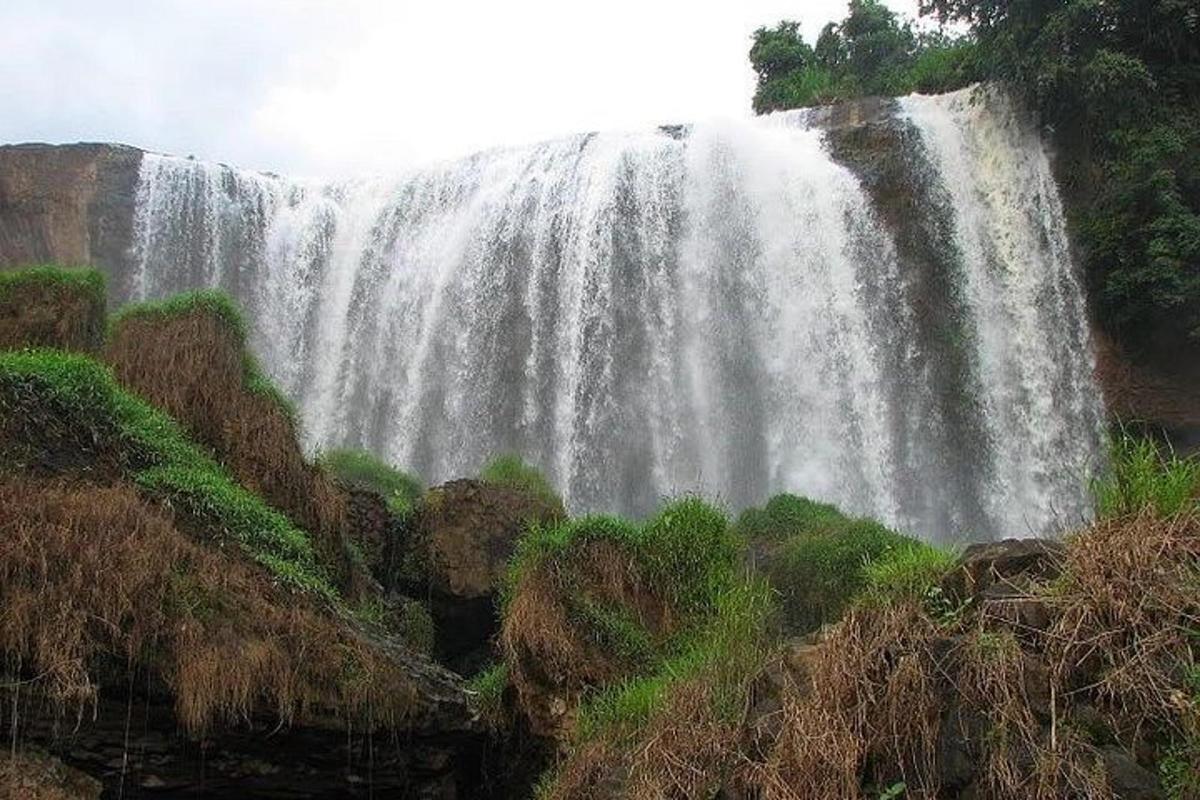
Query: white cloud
<point x="319" y="87"/>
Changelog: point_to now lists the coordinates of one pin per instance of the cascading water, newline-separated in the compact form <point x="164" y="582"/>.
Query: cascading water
<point x="721" y="310"/>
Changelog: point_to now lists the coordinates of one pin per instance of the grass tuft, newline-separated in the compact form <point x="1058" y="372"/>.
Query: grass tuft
<point x="1141" y="475"/>
<point x="359" y="469"/>
<point x="88" y="281"/>
<point x="510" y="470"/>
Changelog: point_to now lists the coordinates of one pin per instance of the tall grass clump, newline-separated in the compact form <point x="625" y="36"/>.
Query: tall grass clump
<point x="510" y="470"/>
<point x="599" y="600"/>
<point x="1142" y="475"/>
<point x="47" y="306"/>
<point x="359" y="469"/>
<point x="217" y="305"/>
<point x="47" y="394"/>
<point x="89" y="282"/>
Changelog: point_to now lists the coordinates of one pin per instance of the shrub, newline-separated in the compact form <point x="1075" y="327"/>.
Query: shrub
<point x="785" y="514"/>
<point x="510" y="470"/>
<point x="49" y="390"/>
<point x="1141" y="476"/>
<point x="359" y="469"/>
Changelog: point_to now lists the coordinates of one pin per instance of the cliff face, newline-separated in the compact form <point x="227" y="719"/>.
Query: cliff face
<point x="68" y="204"/>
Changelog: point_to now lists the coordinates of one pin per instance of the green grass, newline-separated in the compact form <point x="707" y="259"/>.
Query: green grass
<point x="907" y="570"/>
<point x="71" y="391"/>
<point x="90" y="282"/>
<point x="1142" y="476"/>
<point x="206" y="301"/>
<point x="509" y="470"/>
<point x="724" y="653"/>
<point x="820" y="560"/>
<point x="361" y="470"/>
<point x="687" y="550"/>
<point x="783" y="515"/>
<point x="488" y="687"/>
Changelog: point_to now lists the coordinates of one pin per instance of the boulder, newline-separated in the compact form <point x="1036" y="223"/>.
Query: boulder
<point x="462" y="535"/>
<point x="994" y="569"/>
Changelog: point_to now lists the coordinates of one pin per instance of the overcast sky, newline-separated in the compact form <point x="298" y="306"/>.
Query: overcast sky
<point x="350" y="86"/>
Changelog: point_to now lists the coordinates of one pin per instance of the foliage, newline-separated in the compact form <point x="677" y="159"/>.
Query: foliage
<point x="510" y="470"/>
<point x="88" y="281"/>
<point x="359" y="469"/>
<point x="871" y="52"/>
<point x="1141" y="476"/>
<point x="686" y="550"/>
<point x="785" y="514"/>
<point x="75" y="391"/>
<point x="910" y="570"/>
<point x="1118" y="82"/>
<point x="207" y="301"/>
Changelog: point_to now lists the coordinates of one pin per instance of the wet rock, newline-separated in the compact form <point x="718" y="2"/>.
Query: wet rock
<point x="69" y="204"/>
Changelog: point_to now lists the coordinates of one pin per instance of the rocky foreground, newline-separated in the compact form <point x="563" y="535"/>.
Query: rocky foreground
<point x="191" y="607"/>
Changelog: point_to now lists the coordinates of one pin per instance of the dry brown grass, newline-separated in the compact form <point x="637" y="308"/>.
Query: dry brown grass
<point x="192" y="365"/>
<point x="552" y="658"/>
<point x="51" y="314"/>
<point x="867" y="707"/>
<point x="36" y="776"/>
<point x="92" y="574"/>
<point x="861" y="708"/>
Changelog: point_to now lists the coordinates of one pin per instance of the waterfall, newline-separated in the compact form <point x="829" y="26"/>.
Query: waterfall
<point x="721" y="308"/>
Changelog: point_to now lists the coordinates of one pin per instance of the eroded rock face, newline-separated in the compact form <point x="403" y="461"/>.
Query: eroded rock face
<point x="69" y="205"/>
<point x="462" y="536"/>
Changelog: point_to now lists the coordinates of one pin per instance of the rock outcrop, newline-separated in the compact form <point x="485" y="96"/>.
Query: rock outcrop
<point x="461" y="536"/>
<point x="69" y="204"/>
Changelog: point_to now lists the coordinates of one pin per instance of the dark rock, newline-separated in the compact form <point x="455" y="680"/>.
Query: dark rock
<point x="134" y="747"/>
<point x="1128" y="779"/>
<point x="999" y="571"/>
<point x="462" y="536"/>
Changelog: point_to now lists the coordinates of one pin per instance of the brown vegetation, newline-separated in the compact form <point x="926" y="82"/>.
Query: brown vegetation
<point x="52" y="313"/>
<point x="193" y="366"/>
<point x="89" y="573"/>
<point x="1055" y="690"/>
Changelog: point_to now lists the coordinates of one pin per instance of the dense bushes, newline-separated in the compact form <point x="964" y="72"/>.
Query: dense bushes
<point x="819" y="560"/>
<point x="871" y="52"/>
